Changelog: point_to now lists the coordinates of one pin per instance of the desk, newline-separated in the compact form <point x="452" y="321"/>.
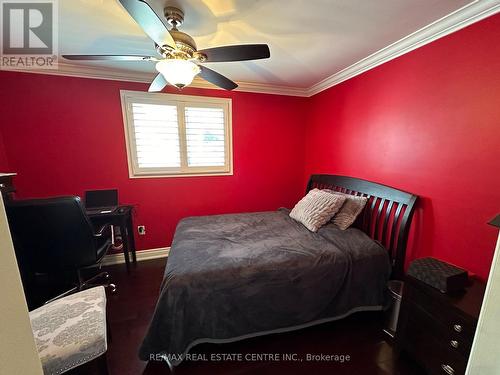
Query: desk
<point x="6" y="185"/>
<point x="121" y="217"/>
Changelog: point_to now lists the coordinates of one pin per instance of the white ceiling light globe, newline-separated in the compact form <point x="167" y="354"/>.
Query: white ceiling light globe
<point x="179" y="73"/>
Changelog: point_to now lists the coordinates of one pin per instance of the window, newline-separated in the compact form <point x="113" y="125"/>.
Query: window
<point x="177" y="135"/>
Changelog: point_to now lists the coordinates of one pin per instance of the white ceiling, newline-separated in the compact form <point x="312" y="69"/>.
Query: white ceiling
<point x="309" y="39"/>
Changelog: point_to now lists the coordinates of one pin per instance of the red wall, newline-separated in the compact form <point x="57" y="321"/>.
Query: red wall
<point x="429" y="123"/>
<point x="65" y="135"/>
<point x="4" y="163"/>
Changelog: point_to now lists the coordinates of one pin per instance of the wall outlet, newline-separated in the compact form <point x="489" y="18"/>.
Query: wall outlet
<point x="141" y="229"/>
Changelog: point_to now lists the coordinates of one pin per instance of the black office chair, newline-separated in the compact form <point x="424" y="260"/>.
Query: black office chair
<point x="54" y="236"/>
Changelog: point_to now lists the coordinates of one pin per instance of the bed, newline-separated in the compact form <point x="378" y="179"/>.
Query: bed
<point x="231" y="277"/>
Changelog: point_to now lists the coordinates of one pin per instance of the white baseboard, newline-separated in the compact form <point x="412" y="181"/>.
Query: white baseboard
<point x="149" y="254"/>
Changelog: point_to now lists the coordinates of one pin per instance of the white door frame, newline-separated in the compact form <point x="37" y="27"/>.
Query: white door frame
<point x="484" y="358"/>
<point x="18" y="353"/>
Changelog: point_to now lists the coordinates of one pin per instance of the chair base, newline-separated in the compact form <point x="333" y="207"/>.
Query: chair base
<point x="94" y="281"/>
<point x="87" y="284"/>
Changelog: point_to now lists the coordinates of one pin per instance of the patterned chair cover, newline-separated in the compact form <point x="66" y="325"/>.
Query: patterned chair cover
<point x="70" y="331"/>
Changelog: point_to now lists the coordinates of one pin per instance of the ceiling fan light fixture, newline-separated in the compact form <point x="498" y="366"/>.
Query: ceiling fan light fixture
<point x="179" y="61"/>
<point x="179" y="73"/>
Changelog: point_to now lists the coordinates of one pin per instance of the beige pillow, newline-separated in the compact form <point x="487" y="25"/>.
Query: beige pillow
<point x="350" y="210"/>
<point x="317" y="208"/>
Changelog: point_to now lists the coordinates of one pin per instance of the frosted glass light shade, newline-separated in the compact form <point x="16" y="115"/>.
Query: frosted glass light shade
<point x="179" y="73"/>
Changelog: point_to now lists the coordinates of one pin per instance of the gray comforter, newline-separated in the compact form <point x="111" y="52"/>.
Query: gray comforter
<point x="234" y="276"/>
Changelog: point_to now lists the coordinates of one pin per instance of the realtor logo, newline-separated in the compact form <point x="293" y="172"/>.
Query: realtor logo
<point x="29" y="37"/>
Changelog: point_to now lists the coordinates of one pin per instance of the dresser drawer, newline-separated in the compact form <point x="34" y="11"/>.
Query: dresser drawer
<point x="456" y="326"/>
<point x="424" y="340"/>
<point x="446" y="334"/>
<point x="437" y="329"/>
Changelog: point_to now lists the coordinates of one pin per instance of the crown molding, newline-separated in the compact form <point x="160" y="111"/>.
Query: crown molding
<point x="95" y="72"/>
<point x="99" y="72"/>
<point x="448" y="24"/>
<point x="465" y="16"/>
<point x="261" y="88"/>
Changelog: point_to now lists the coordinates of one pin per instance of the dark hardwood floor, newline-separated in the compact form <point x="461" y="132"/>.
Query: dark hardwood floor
<point x="359" y="336"/>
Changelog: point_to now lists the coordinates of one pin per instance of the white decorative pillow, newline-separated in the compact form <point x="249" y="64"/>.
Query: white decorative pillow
<point x="348" y="213"/>
<point x="317" y="208"/>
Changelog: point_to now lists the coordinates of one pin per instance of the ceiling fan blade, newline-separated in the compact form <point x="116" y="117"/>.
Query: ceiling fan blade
<point x="152" y="25"/>
<point x="158" y="83"/>
<point x="216" y="78"/>
<point x="237" y="53"/>
<point x="108" y="57"/>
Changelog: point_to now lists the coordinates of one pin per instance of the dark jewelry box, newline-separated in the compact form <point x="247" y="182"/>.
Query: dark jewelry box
<point x="443" y="276"/>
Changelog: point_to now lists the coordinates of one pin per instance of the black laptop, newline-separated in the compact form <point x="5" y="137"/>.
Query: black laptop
<point x="101" y="201"/>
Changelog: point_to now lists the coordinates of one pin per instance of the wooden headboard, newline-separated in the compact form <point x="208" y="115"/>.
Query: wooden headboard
<point x="386" y="217"/>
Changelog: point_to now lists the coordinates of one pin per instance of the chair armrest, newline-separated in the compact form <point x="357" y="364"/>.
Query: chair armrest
<point x="102" y="231"/>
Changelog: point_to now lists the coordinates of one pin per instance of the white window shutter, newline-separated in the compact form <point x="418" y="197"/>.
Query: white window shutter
<point x="171" y="135"/>
<point x="156" y="132"/>
<point x="205" y="136"/>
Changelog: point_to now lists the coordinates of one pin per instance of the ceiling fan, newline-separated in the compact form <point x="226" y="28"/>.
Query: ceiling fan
<point x="179" y="60"/>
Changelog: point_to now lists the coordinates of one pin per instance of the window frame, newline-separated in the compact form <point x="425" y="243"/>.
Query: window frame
<point x="180" y="101"/>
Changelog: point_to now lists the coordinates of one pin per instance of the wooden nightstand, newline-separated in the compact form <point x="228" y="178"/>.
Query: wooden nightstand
<point x="437" y="329"/>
